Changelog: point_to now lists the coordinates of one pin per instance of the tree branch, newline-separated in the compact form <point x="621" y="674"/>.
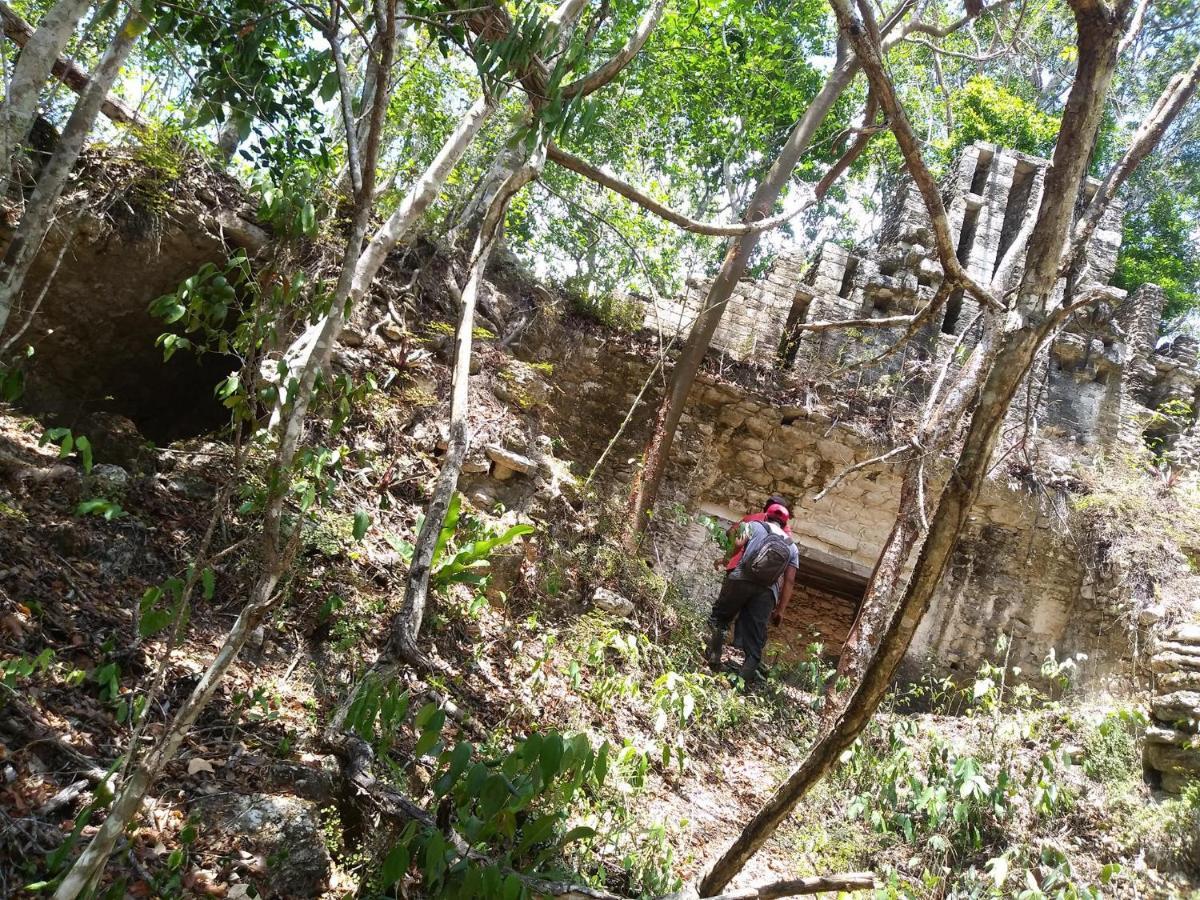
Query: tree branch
<point x="69" y="73"/>
<point x="795" y="887"/>
<point x="597" y="78"/>
<point x="1177" y="94"/>
<point x="858" y="467"/>
<point x="629" y="192"/>
<point x="858" y="29"/>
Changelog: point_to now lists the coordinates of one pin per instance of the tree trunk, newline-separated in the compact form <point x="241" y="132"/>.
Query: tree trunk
<point x="39" y="214"/>
<point x="34" y="66"/>
<point x="1099" y="31"/>
<point x="276" y="543"/>
<point x="521" y="169"/>
<point x="648" y="481"/>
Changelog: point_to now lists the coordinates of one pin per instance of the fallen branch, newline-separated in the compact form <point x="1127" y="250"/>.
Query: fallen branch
<point x="795" y="887"/>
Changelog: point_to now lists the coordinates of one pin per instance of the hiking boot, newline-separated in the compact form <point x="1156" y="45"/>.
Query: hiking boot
<point x="712" y="652"/>
<point x="750" y="675"/>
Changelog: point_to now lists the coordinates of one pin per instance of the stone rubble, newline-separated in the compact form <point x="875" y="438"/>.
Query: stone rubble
<point x="1172" y="745"/>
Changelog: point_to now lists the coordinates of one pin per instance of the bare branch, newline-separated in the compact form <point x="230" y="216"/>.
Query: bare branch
<point x="597" y="78"/>
<point x="1135" y="27"/>
<point x="918" y="321"/>
<point x="795" y="887"/>
<point x="858" y="467"/>
<point x="629" y="192"/>
<point x="837" y="324"/>
<point x="854" y="151"/>
<point x="915" y="27"/>
<point x="858" y="29"/>
<point x="343" y="80"/>
<point x="1177" y="94"/>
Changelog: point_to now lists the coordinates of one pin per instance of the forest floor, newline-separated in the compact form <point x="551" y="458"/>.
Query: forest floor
<point x="982" y="789"/>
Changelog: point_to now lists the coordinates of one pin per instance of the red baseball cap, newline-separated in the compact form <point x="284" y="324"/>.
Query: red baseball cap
<point x="779" y="513"/>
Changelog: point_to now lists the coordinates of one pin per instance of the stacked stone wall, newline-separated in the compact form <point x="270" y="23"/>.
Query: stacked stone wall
<point x="1018" y="573"/>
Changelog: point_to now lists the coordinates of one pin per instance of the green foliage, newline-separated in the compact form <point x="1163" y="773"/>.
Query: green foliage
<point x="262" y="70"/>
<point x="21" y="668"/>
<point x="609" y="309"/>
<point x="464" y="547"/>
<point x="718" y="532"/>
<point x="500" y="813"/>
<point x="1159" y="246"/>
<point x="285" y="202"/>
<point x="68" y="442"/>
<point x="986" y="110"/>
<point x="12" y="375"/>
<point x="99" y="506"/>
<point x="201" y="305"/>
<point x="1110" y="750"/>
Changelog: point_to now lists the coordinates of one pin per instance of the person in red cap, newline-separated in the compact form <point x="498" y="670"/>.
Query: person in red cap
<point x="757" y="588"/>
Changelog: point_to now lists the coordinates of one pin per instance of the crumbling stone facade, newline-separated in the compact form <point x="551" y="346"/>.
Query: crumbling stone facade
<point x="1018" y="577"/>
<point x="1099" y="382"/>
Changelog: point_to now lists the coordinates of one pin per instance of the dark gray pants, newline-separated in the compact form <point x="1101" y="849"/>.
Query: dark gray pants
<point x="751" y="605"/>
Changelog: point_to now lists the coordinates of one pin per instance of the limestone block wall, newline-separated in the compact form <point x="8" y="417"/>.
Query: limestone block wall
<point x="1019" y="572"/>
<point x="755" y="317"/>
<point x="1079" y="388"/>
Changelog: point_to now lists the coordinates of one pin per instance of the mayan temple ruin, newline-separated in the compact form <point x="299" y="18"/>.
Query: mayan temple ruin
<point x="1019" y="578"/>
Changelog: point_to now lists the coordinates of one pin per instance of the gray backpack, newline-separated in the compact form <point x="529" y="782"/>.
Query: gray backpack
<point x="770" y="560"/>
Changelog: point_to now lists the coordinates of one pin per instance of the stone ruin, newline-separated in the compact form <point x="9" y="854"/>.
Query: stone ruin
<point x="1018" y="578"/>
<point x="1018" y="573"/>
<point x="1101" y="379"/>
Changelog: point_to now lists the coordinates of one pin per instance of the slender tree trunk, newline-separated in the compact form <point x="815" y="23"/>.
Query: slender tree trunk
<point x="32" y="71"/>
<point x="1025" y="329"/>
<point x="648" y="481"/>
<point x="398" y="225"/>
<point x="39" y="214"/>
<point x="522" y="168"/>
<point x="276" y="542"/>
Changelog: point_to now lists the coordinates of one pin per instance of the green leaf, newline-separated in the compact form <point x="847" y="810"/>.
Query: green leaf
<point x="430" y="734"/>
<point x="362" y="521"/>
<point x="84" y="446"/>
<point x="395" y="865"/>
<point x="551" y="756"/>
<point x="1109" y="872"/>
<point x="579" y="833"/>
<point x="98" y="506"/>
<point x="492" y="796"/>
<point x="513" y="888"/>
<point x="208" y="580"/>
<point x="308" y="219"/>
<point x="154" y="621"/>
<point x="460" y="757"/>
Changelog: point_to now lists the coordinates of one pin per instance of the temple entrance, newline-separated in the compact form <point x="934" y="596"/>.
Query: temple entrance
<point x="824" y="603"/>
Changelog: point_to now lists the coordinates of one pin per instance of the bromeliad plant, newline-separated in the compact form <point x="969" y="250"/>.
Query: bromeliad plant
<point x="464" y="548"/>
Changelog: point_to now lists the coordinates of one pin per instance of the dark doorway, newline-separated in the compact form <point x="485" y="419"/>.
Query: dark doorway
<point x="825" y="601"/>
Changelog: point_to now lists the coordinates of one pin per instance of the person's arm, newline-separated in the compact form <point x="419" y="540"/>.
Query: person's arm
<point x="785" y="595"/>
<point x="738" y="534"/>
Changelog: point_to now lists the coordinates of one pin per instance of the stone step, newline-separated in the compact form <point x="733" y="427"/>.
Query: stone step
<point x="1174" y="662"/>
<point x="1175" y="760"/>
<point x="1158" y="734"/>
<point x="1179" y="649"/>
<point x="1176" y="706"/>
<point x="1179" y="680"/>
<point x="1187" y="633"/>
